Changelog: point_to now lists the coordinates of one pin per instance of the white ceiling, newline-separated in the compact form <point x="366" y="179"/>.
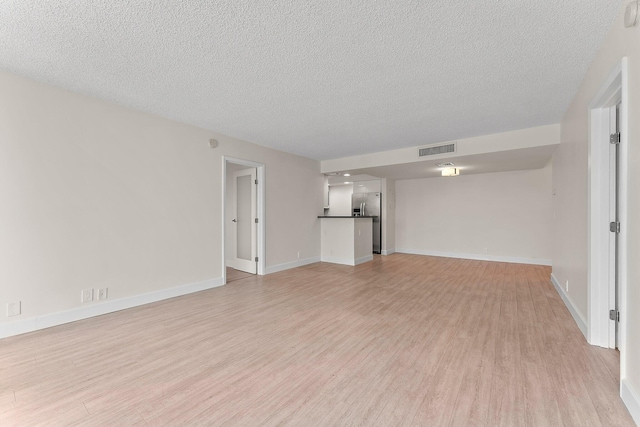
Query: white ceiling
<point x="319" y="79"/>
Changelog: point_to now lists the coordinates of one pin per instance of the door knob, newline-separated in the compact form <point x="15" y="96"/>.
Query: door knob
<point x="234" y="220"/>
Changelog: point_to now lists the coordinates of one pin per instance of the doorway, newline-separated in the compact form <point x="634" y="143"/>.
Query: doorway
<point x="243" y="219"/>
<point x="607" y="220"/>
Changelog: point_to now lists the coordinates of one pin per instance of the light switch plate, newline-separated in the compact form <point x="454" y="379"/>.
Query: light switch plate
<point x="86" y="295"/>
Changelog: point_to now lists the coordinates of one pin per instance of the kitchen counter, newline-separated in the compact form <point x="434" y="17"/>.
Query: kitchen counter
<point x="346" y="240"/>
<point x="345" y="216"/>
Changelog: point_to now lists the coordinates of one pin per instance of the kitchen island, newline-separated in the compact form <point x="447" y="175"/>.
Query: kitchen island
<point x="346" y="240"/>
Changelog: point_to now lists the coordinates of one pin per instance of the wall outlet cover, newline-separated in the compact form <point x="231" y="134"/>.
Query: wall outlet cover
<point x="14" y="308"/>
<point x="103" y="293"/>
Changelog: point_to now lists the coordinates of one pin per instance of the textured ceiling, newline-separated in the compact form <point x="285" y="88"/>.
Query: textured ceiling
<point x="317" y="78"/>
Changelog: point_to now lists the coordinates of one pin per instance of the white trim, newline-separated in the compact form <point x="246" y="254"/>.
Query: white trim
<point x="579" y="319"/>
<point x="293" y="264"/>
<point x="347" y="261"/>
<point x="104" y="307"/>
<point x="599" y="295"/>
<point x="623" y="214"/>
<point x="262" y="246"/>
<point x="388" y="251"/>
<point x="631" y="399"/>
<point x="364" y="259"/>
<point x="480" y="257"/>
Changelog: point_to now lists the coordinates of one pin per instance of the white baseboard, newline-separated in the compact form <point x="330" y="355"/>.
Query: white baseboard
<point x="366" y="258"/>
<point x="347" y="261"/>
<point x="479" y="257"/>
<point x="103" y="307"/>
<point x="292" y="264"/>
<point x="631" y="399"/>
<point x="336" y="260"/>
<point x="580" y="321"/>
<point x="388" y="251"/>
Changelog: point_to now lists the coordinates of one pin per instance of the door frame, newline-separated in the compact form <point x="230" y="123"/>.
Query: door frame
<point x="260" y="212"/>
<point x="601" y="293"/>
<point x="247" y="265"/>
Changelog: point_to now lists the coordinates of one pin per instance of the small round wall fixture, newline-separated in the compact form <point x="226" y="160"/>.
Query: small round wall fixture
<point x="213" y="143"/>
<point x="631" y="14"/>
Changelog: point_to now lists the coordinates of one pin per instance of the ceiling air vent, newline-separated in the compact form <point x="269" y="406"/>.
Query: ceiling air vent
<point x="437" y="149"/>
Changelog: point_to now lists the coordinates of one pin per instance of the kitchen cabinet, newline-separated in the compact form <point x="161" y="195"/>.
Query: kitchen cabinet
<point x="367" y="187"/>
<point x="346" y="240"/>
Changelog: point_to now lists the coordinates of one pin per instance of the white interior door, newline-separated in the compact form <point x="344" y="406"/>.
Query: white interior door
<point x="244" y="219"/>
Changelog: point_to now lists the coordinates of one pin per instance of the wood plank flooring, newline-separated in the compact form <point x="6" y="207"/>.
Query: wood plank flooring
<point x="402" y="340"/>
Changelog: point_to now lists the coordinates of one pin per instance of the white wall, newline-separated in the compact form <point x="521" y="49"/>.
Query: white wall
<point x="508" y="213"/>
<point x="97" y="195"/>
<point x="388" y="216"/>
<point x="570" y="179"/>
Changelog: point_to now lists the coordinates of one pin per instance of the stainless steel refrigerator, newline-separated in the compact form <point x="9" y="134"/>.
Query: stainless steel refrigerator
<point x="369" y="204"/>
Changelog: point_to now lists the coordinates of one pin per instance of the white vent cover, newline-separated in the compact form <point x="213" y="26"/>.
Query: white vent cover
<point x="432" y="150"/>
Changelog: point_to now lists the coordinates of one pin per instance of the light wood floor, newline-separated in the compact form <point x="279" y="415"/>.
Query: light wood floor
<point x="402" y="340"/>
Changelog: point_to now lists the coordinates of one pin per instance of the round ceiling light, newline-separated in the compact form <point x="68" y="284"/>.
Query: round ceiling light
<point x="450" y="172"/>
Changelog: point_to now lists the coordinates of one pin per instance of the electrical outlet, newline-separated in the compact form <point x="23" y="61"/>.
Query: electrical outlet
<point x="298" y="254"/>
<point x="102" y="293"/>
<point x="566" y="286"/>
<point x="13" y="308"/>
<point x="486" y="250"/>
<point x="86" y="295"/>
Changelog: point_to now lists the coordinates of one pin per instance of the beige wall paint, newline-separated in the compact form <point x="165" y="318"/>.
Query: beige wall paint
<point x="570" y="178"/>
<point x="97" y="195"/>
<point x="509" y="213"/>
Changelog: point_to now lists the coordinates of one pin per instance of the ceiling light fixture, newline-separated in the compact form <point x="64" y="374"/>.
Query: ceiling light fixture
<point x="347" y="174"/>
<point x="450" y="172"/>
